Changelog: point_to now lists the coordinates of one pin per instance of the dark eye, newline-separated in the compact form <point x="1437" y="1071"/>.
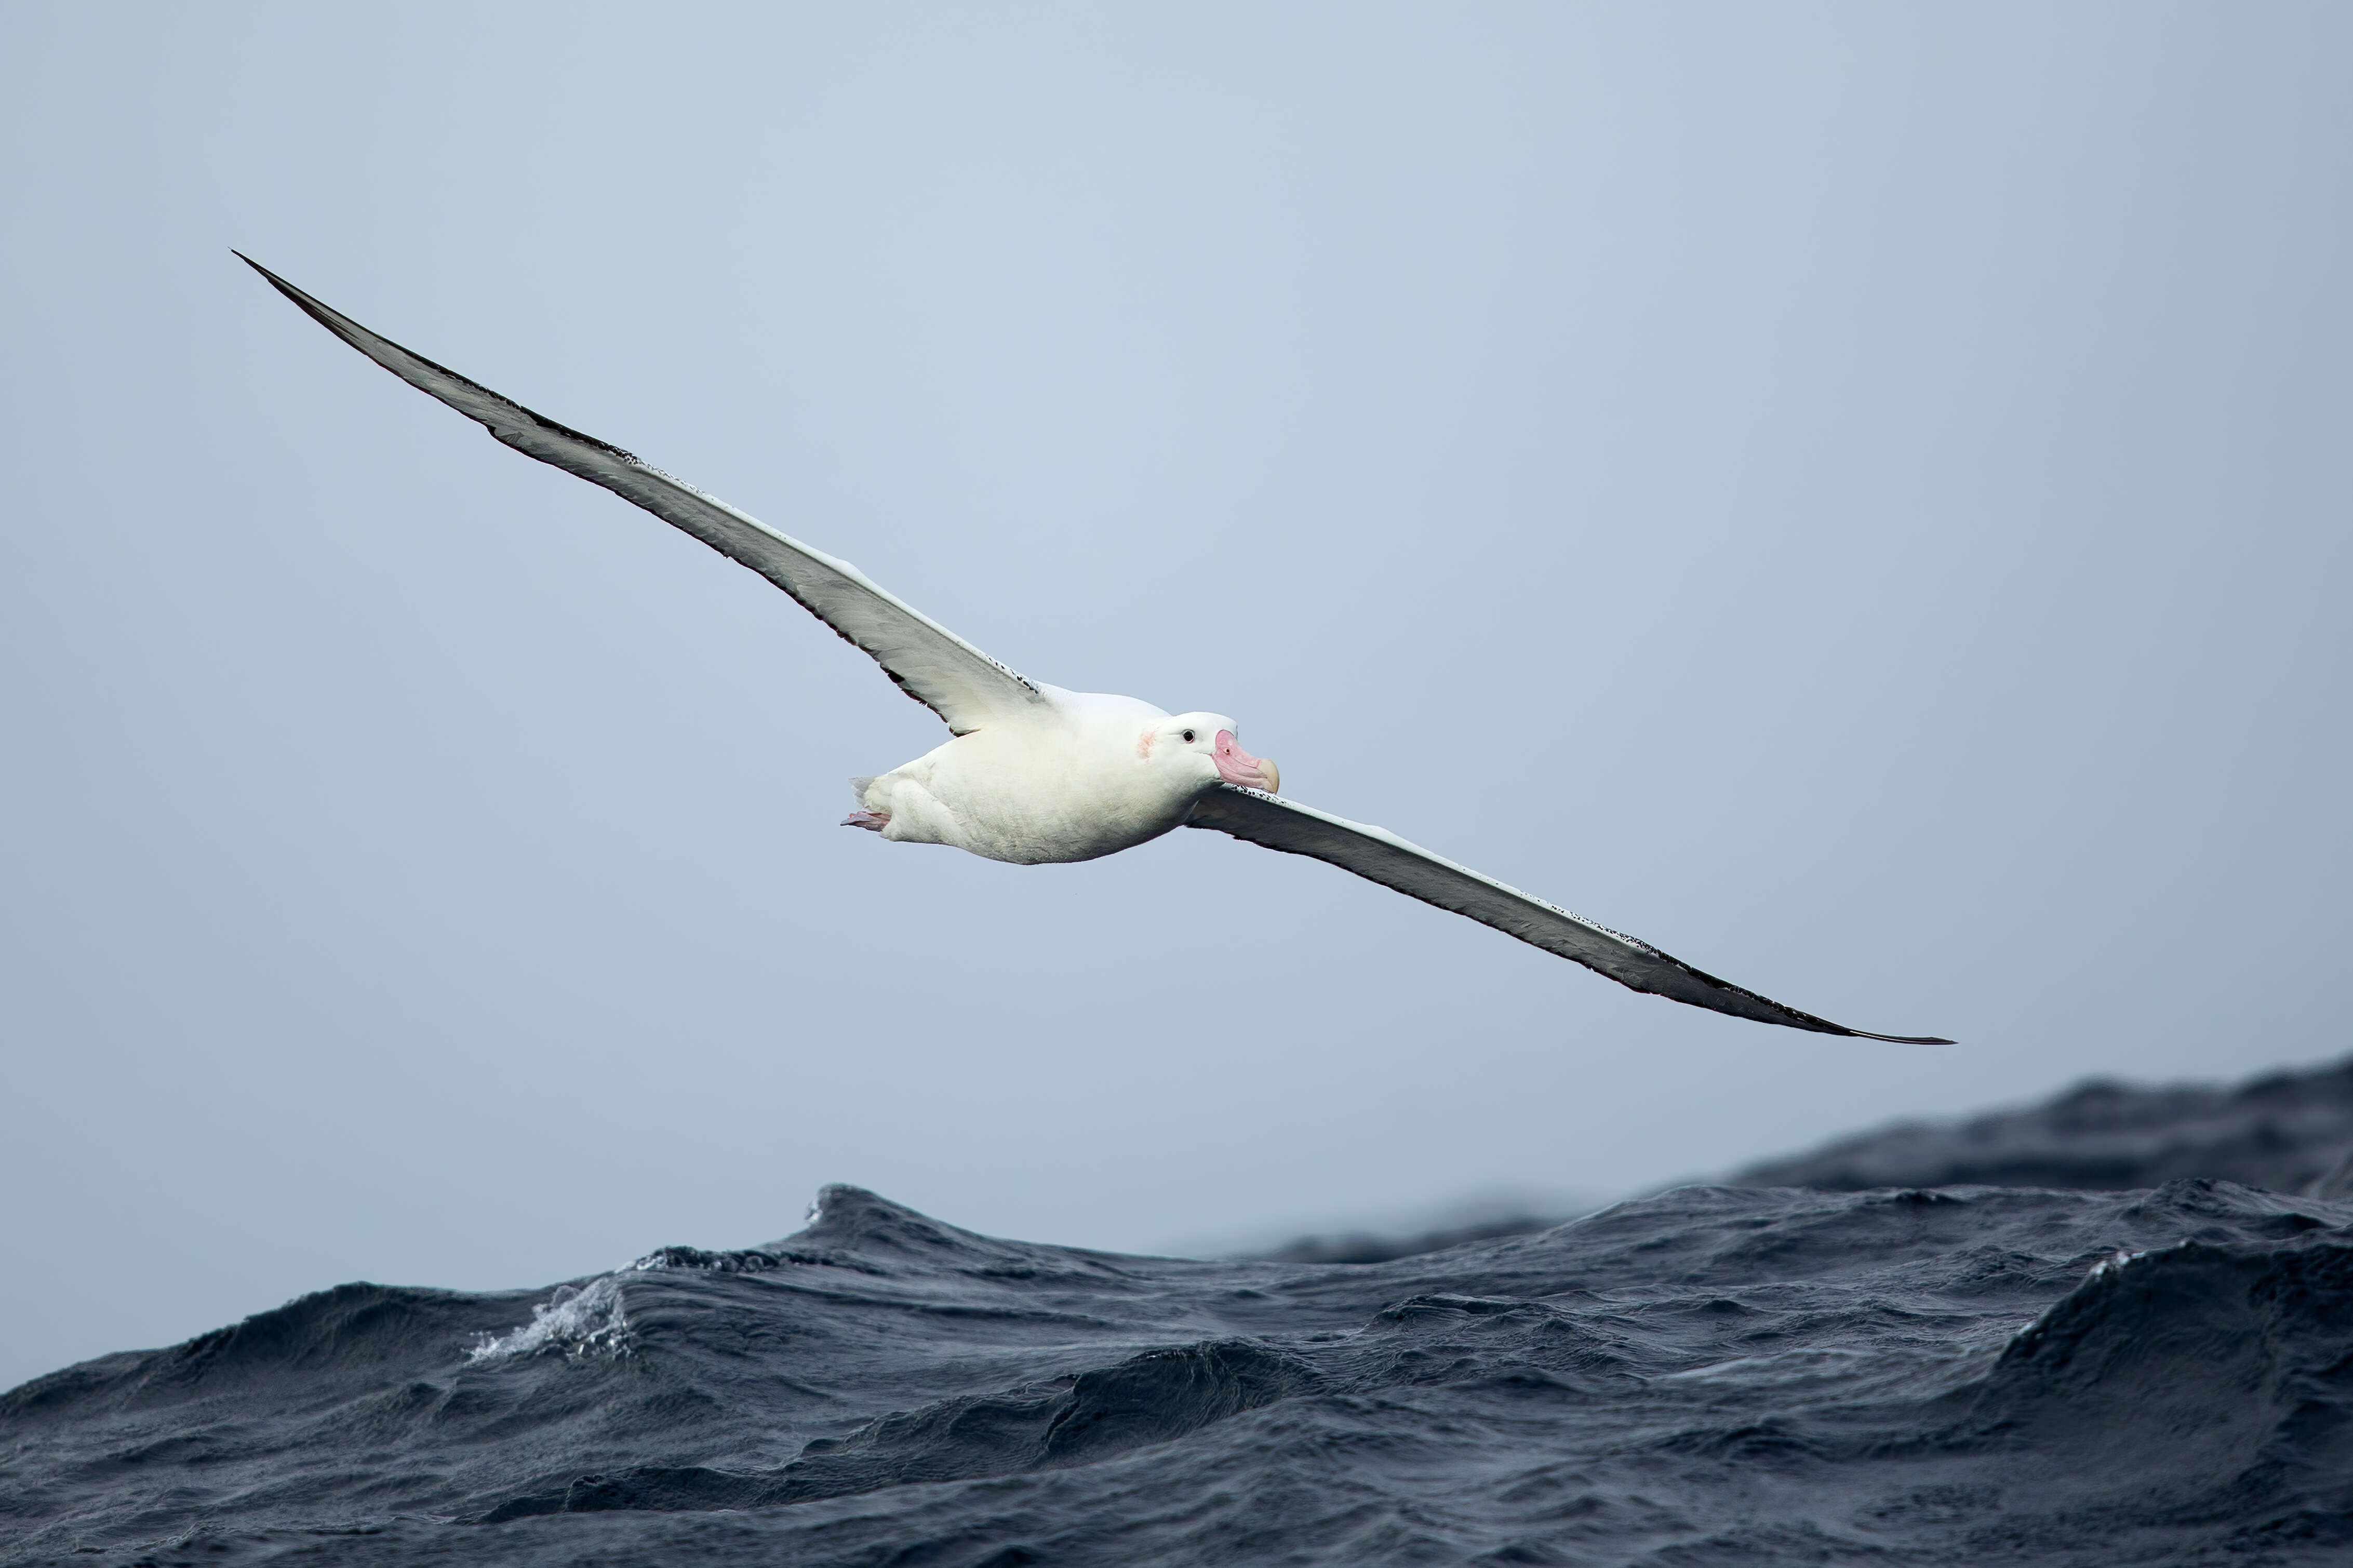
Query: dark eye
<point x="1188" y="737"/>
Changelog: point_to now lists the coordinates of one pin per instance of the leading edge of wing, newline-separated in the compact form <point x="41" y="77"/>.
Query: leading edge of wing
<point x="1379" y="856"/>
<point x="938" y="668"/>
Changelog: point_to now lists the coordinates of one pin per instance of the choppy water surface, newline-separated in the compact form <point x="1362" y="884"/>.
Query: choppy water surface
<point x="2290" y="1131"/>
<point x="1714" y="1375"/>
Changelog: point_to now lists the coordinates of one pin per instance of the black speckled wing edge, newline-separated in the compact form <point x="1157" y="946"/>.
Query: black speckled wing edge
<point x="1379" y="856"/>
<point x="955" y="679"/>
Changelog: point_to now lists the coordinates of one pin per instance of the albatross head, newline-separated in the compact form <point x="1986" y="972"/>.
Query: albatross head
<point x="1203" y="744"/>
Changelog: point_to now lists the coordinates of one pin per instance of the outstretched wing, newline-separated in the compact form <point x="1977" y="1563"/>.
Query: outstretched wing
<point x="930" y="663"/>
<point x="1379" y="856"/>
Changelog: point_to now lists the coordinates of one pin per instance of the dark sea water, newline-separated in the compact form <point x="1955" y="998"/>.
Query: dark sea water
<point x="1712" y="1375"/>
<point x="2290" y="1131"/>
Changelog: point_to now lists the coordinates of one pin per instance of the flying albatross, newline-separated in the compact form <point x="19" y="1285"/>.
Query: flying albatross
<point x="1033" y="773"/>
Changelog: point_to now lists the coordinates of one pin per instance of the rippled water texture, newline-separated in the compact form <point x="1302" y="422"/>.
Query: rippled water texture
<point x="1714" y="1375"/>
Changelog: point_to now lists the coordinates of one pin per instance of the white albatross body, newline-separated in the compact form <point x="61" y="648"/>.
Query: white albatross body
<point x="1085" y="776"/>
<point x="1032" y="773"/>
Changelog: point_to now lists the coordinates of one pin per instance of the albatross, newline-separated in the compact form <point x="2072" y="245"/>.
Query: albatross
<point x="1034" y="775"/>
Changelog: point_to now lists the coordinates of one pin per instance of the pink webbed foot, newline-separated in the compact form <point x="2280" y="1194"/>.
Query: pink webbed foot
<point x="873" y="821"/>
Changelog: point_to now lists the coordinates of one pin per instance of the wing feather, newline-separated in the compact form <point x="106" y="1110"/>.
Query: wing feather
<point x="932" y="665"/>
<point x="1379" y="856"/>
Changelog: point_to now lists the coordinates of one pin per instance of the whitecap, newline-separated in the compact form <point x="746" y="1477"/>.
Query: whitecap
<point x="581" y="1321"/>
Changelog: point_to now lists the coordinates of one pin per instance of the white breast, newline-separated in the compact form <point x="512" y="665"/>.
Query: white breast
<point x="1068" y="782"/>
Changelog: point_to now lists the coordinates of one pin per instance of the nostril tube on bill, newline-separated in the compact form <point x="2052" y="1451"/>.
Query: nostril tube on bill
<point x="1236" y="766"/>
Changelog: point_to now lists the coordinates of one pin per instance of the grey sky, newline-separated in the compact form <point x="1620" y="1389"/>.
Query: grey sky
<point x="1855" y="495"/>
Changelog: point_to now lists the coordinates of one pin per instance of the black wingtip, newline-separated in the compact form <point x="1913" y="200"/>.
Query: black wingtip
<point x="1903" y="1039"/>
<point x="310" y="306"/>
<point x="434" y="380"/>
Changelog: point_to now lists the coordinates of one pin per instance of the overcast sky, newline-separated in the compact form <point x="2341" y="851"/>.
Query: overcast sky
<point x="1856" y="495"/>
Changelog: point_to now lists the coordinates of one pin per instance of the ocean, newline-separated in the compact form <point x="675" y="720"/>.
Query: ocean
<point x="1733" y="1376"/>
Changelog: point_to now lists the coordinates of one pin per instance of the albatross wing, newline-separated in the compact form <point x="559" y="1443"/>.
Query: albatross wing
<point x="930" y="663"/>
<point x="1379" y="856"/>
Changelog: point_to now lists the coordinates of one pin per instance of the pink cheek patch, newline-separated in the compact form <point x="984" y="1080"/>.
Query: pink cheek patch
<point x="1144" y="746"/>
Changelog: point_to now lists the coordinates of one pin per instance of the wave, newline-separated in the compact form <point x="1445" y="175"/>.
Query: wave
<point x="2288" y="1132"/>
<point x="1710" y="1375"/>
